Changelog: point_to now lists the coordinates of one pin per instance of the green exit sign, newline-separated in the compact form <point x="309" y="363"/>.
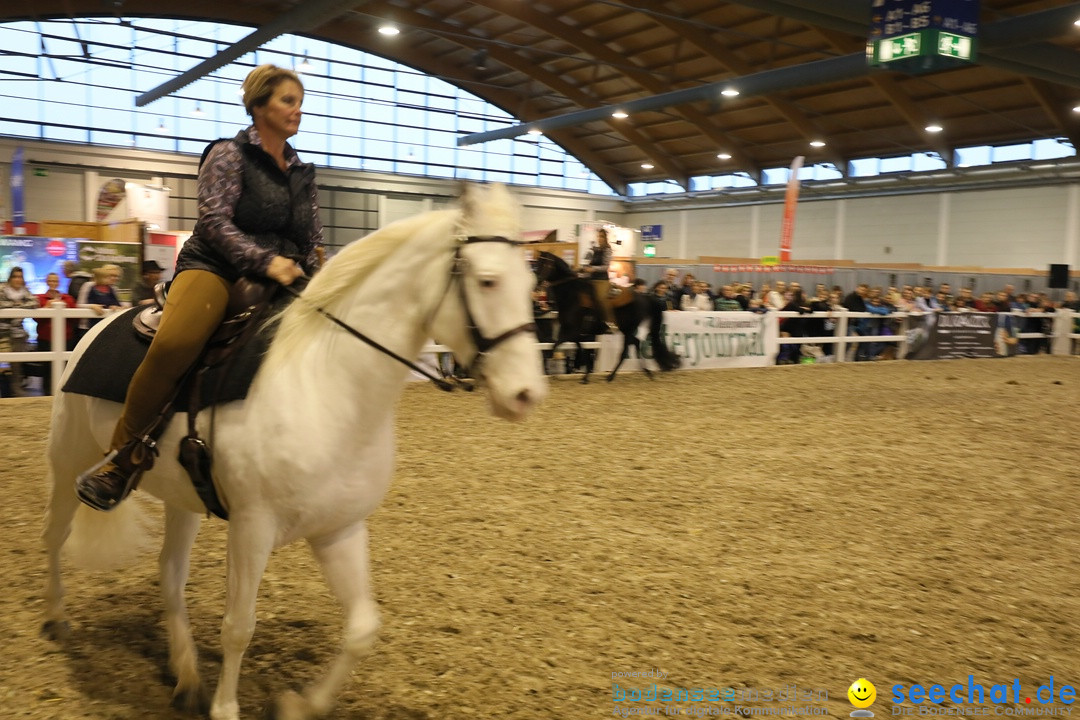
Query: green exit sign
<point x="955" y="46"/>
<point x="898" y="48"/>
<point x="922" y="51"/>
<point x="649" y="250"/>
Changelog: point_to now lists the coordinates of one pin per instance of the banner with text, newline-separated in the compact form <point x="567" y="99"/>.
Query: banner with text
<point x="721" y="339"/>
<point x="946" y="336"/>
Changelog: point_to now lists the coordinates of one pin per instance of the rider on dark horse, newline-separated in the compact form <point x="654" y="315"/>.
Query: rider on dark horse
<point x="597" y="262"/>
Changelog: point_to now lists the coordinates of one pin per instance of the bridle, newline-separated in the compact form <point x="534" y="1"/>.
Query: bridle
<point x="484" y="344"/>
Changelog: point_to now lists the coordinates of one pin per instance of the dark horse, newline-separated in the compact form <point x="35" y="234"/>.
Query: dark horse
<point x="575" y="299"/>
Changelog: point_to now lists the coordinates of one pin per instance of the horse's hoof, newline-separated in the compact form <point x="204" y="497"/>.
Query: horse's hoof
<point x="193" y="702"/>
<point x="56" y="630"/>
<point x="289" y="706"/>
<point x="585" y="380"/>
<point x="611" y="377"/>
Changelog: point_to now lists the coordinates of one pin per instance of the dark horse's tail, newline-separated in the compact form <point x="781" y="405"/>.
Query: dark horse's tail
<point x="629" y="315"/>
<point x="663" y="356"/>
<point x="665" y="359"/>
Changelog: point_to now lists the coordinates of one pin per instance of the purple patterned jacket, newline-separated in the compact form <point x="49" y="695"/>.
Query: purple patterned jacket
<point x="250" y="211"/>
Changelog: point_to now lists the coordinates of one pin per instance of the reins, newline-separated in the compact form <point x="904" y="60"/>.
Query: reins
<point x="483" y="344"/>
<point x="441" y="383"/>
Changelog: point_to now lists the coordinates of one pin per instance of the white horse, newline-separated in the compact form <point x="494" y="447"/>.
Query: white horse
<point x="309" y="453"/>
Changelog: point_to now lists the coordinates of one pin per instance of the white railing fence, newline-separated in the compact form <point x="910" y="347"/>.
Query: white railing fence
<point x="1062" y="337"/>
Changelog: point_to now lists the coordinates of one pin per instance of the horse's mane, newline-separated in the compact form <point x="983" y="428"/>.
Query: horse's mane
<point x="484" y="210"/>
<point x="354" y="264"/>
<point x="560" y="265"/>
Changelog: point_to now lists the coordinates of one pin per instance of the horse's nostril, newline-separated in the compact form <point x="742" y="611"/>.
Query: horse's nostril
<point x="524" y="398"/>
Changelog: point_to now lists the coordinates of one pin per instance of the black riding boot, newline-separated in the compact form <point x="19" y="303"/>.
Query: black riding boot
<point x="103" y="486"/>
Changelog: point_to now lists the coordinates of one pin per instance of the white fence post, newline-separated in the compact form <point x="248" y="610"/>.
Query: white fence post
<point x="841" y="335"/>
<point x="901" y="350"/>
<point x="59" y="343"/>
<point x="1063" y="327"/>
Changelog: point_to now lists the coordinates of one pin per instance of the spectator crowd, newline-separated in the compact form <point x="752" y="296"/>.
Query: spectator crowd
<point x="687" y="293"/>
<point x="671" y="292"/>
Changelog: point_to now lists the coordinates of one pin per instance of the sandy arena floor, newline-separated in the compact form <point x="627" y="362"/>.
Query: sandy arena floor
<point x="910" y="522"/>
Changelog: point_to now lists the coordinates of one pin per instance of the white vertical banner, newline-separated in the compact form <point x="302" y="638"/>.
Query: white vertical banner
<point x="149" y="204"/>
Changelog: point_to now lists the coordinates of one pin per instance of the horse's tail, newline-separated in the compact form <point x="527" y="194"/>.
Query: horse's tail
<point x="109" y="540"/>
<point x="97" y="540"/>
<point x="666" y="359"/>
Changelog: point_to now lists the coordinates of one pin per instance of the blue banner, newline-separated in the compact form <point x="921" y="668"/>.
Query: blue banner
<point x="18" y="213"/>
<point x="652" y="233"/>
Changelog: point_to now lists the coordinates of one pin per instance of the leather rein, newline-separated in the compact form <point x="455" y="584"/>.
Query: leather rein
<point x="484" y="344"/>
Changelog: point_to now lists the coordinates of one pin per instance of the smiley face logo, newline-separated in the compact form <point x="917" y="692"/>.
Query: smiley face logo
<point x="862" y="693"/>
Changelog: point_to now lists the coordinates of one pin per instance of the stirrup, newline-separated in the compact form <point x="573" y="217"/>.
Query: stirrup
<point x="88" y="485"/>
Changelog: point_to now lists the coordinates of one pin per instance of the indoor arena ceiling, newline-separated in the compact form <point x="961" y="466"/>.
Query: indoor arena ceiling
<point x="800" y="66"/>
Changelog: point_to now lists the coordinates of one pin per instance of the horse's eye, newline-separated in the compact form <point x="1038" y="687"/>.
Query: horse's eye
<point x="488" y="283"/>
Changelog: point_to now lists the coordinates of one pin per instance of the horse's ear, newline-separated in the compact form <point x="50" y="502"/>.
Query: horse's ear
<point x="468" y="197"/>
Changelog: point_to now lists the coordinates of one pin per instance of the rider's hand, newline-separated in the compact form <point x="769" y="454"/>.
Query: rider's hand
<point x="283" y="270"/>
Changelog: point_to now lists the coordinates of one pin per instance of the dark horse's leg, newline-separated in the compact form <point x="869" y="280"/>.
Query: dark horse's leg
<point x="641" y="361"/>
<point x="589" y="356"/>
<point x="622" y="356"/>
<point x="566" y="360"/>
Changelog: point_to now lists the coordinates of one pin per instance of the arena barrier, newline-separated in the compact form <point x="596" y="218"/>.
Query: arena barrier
<point x="1063" y="338"/>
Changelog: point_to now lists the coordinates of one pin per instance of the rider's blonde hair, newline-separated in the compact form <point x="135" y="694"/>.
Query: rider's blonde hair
<point x="261" y="82"/>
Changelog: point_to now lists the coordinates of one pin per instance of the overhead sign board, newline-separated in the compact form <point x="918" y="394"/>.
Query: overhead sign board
<point x="652" y="233"/>
<point x="923" y="35"/>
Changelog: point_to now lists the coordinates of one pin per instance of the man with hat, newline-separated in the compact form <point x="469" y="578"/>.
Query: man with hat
<point x="143" y="293"/>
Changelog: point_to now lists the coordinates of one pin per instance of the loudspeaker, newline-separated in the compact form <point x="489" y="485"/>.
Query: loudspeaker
<point x="1059" y="277"/>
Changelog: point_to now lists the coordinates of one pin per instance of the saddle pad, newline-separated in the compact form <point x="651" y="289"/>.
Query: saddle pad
<point x="107" y="366"/>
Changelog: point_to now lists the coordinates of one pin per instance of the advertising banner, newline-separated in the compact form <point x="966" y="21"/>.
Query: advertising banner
<point x="93" y="254"/>
<point x="110" y="195"/>
<point x="37" y="256"/>
<point x="708" y="340"/>
<point x="945" y="336"/>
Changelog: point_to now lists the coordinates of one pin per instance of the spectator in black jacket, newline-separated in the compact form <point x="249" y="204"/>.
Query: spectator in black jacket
<point x="856" y="302"/>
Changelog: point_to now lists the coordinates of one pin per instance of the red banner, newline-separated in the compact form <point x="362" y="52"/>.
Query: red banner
<point x="791" y="199"/>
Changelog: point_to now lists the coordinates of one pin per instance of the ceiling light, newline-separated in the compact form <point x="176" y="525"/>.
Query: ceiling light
<point x="724" y="156"/>
<point x="646" y="166"/>
<point x="304" y="65"/>
<point x="197" y="112"/>
<point x="1076" y="22"/>
<point x="388" y="30"/>
<point x="161" y="129"/>
<point x="817" y="143"/>
<point x="729" y="92"/>
<point x="1076" y="109"/>
<point x="619" y="114"/>
<point x="933" y="128"/>
<point x="535" y="131"/>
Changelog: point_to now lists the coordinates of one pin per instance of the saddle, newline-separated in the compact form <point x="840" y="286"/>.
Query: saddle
<point x="625" y="297"/>
<point x="249" y="300"/>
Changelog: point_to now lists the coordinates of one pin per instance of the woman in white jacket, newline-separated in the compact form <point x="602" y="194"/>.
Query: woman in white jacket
<point x="699" y="299"/>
